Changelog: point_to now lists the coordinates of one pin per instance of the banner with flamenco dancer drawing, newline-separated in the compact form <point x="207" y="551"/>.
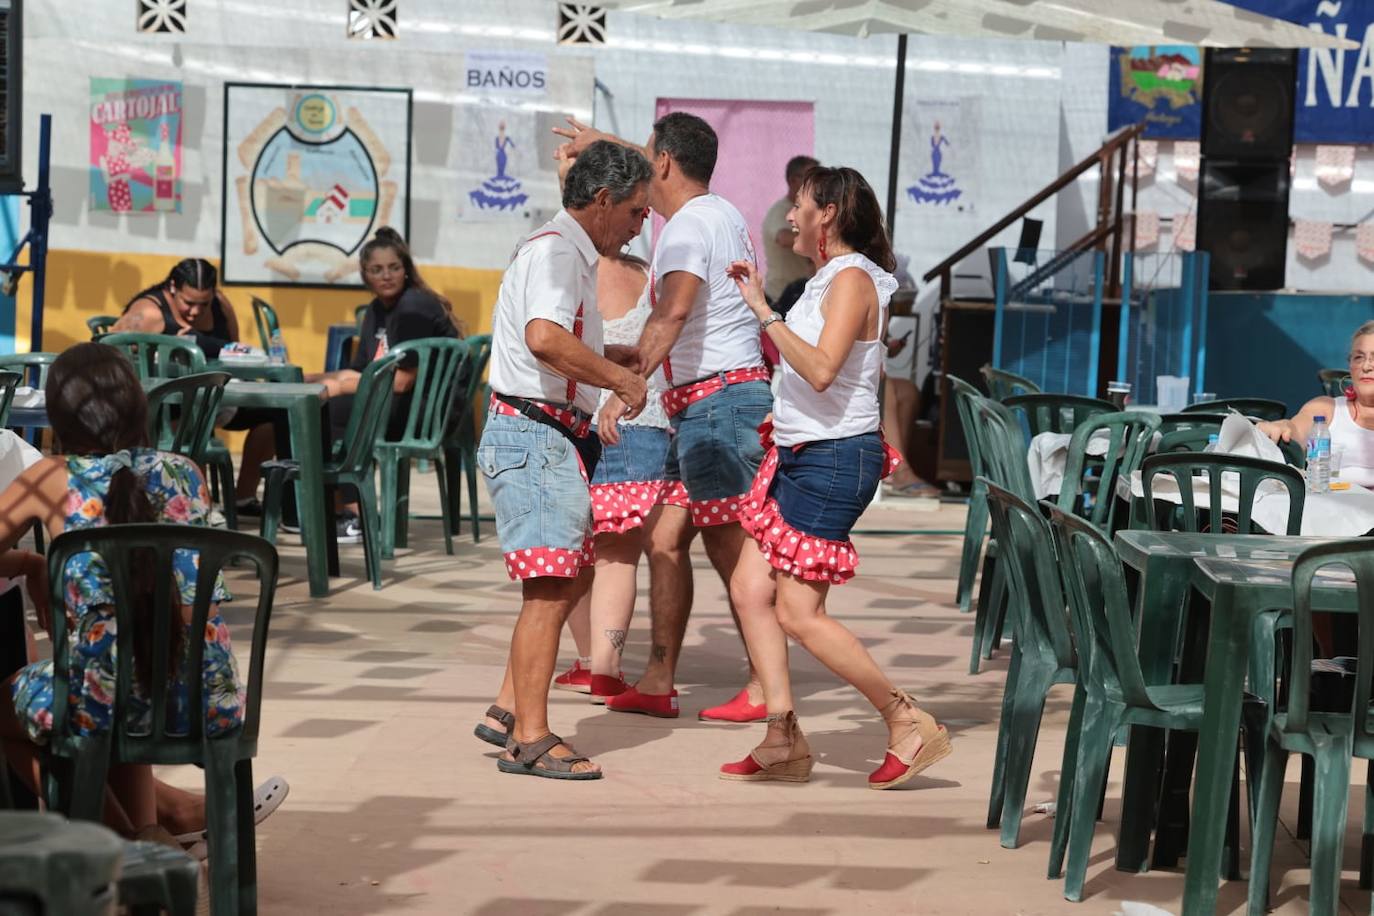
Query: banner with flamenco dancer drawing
<point x="500" y="136"/>
<point x="944" y="136"/>
<point x="310" y="172"/>
<point x="135" y="145"/>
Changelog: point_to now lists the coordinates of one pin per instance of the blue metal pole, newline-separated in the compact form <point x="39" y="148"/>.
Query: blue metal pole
<point x="1123" y="336"/>
<point x="41" y="204"/>
<point x="1188" y="289"/>
<point x="1095" y="340"/>
<point x="1202" y="276"/>
<point x="1000" y="297"/>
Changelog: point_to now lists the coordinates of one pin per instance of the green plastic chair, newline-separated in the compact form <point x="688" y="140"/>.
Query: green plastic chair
<point x="182" y="412"/>
<point x="100" y="325"/>
<point x="154" y="879"/>
<point x="1003" y="384"/>
<point x="219" y="472"/>
<point x="9" y="381"/>
<point x="1003" y="458"/>
<point x="158" y="355"/>
<point x="1333" y="381"/>
<point x="33" y="366"/>
<point x="1263" y="408"/>
<point x="441" y="360"/>
<point x="1114" y="692"/>
<point x="351" y="460"/>
<point x="1187" y="432"/>
<point x="976" y="522"/>
<point x="265" y="317"/>
<point x="1042" y="652"/>
<point x="1331" y="739"/>
<point x="1055" y="413"/>
<point x="1185" y="467"/>
<point x="461" y="441"/>
<point x="61" y="866"/>
<point x="79" y="765"/>
<point x="1129" y="435"/>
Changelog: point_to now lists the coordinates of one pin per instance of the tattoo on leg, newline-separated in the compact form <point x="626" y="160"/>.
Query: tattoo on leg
<point x="617" y="638"/>
<point x="660" y="653"/>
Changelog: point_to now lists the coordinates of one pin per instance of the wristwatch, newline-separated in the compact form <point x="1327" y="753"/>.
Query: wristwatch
<point x="763" y="325"/>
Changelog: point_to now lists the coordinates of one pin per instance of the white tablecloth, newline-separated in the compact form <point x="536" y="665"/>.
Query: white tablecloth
<point x="1049" y="456"/>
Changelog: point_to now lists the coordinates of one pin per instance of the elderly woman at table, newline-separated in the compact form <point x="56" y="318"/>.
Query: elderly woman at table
<point x="1350" y="418"/>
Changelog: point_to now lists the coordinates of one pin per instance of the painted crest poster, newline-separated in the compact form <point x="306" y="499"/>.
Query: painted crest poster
<point x="944" y="135"/>
<point x="310" y="172"/>
<point x="1159" y="84"/>
<point x="135" y="145"/>
<point x="501" y="139"/>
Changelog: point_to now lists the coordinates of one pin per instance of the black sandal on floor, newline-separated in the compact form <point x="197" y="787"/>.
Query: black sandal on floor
<point x="534" y="759"/>
<point x="491" y="735"/>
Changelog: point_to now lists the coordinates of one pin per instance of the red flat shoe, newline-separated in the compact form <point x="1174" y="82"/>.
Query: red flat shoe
<point x="738" y="709"/>
<point x="603" y="686"/>
<point x="577" y="679"/>
<point x="659" y="705"/>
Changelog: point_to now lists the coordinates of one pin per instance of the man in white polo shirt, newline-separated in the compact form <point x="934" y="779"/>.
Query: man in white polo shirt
<point x="707" y="341"/>
<point x="537" y="453"/>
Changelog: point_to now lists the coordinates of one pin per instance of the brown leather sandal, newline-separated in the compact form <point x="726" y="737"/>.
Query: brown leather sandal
<point x="533" y="759"/>
<point x="934" y="747"/>
<point x="491" y="735"/>
<point x="784" y="755"/>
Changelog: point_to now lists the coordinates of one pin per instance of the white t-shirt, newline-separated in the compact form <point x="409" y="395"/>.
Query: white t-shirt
<point x="849" y="407"/>
<point x="703" y="239"/>
<point x="551" y="276"/>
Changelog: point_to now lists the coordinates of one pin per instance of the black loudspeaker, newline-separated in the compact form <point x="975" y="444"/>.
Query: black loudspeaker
<point x="966" y="346"/>
<point x="1247" y="103"/>
<point x="1242" y="222"/>
<point x="1247" y="139"/>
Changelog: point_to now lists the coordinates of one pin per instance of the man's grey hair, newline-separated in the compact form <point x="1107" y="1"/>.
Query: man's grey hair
<point x="618" y="169"/>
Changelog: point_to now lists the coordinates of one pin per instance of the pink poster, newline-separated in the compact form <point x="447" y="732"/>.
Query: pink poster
<point x="756" y="140"/>
<point x="135" y="145"/>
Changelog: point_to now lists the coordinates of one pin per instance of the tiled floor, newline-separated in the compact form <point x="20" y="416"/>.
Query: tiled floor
<point x="396" y="808"/>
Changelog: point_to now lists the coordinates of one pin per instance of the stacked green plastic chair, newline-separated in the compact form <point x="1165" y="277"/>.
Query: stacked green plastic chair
<point x="351" y="461"/>
<point x="461" y="441"/>
<point x="440" y="361"/>
<point x="1002" y="384"/>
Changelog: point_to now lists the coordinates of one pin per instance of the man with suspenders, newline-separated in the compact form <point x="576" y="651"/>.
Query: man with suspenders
<point x="708" y="342"/>
<point x="536" y="452"/>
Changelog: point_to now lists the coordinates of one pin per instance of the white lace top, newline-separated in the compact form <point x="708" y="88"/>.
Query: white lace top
<point x="625" y="331"/>
<point x="849" y="407"/>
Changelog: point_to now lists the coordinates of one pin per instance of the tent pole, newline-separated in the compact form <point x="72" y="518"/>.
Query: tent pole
<point x="896" y="134"/>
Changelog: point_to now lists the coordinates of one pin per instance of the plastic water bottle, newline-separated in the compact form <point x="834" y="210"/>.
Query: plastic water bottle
<point x="1319" y="457"/>
<point x="1211" y="445"/>
<point x="276" y="349"/>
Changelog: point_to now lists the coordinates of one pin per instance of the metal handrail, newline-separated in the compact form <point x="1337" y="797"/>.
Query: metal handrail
<point x="1102" y="156"/>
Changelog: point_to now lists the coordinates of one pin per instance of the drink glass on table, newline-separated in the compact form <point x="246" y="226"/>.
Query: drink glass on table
<point x="1119" y="393"/>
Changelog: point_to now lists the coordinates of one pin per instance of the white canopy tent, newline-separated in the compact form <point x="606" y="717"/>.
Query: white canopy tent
<point x="1209" y="23"/>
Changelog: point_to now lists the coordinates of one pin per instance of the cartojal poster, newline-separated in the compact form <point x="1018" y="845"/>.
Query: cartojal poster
<point x="944" y="137"/>
<point x="504" y="137"/>
<point x="135" y="145"/>
<point x="310" y="172"/>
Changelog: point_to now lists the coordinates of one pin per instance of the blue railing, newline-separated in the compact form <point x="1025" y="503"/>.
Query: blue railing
<point x="1163" y="321"/>
<point x="1048" y="322"/>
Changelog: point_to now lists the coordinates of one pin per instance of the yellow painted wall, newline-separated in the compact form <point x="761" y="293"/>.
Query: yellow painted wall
<point x="83" y="284"/>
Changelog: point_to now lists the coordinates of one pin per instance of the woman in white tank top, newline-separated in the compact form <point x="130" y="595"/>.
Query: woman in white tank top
<point x="818" y="478"/>
<point x="1350" y="418"/>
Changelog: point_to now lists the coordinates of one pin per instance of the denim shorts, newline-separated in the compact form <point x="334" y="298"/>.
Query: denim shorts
<point x="639" y="455"/>
<point x="716" y="450"/>
<point x="537" y="490"/>
<point x="823" y="487"/>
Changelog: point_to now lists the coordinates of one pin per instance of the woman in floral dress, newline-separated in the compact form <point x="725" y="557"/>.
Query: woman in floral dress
<point x="108" y="476"/>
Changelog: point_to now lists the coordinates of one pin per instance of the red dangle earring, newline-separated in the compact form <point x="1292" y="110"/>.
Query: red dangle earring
<point x="824" y="258"/>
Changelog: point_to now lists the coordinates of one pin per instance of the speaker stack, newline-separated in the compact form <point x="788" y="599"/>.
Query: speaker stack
<point x="1247" y="140"/>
